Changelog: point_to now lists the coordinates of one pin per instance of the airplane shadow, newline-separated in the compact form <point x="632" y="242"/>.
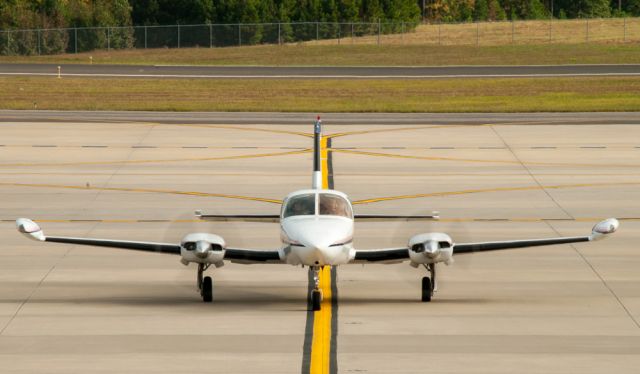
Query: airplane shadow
<point x="240" y="297"/>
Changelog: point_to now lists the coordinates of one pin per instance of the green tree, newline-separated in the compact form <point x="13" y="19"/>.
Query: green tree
<point x="585" y="8"/>
<point x="480" y="10"/>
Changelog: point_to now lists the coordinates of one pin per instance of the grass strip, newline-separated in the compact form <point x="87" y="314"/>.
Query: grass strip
<point x="359" y="55"/>
<point x="292" y="95"/>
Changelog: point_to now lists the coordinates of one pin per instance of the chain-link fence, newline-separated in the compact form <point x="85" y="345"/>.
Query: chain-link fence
<point x="84" y="39"/>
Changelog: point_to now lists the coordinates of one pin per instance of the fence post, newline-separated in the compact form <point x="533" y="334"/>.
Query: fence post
<point x="239" y="35"/>
<point x="317" y="32"/>
<point x="477" y="34"/>
<point x="624" y="30"/>
<point x="178" y="36"/>
<point x="550" y="30"/>
<point x="587" y="33"/>
<point x="210" y="36"/>
<point x="75" y="39"/>
<point x="352" y="40"/>
<point x="108" y="38"/>
<point x="279" y="35"/>
<point x="379" y="31"/>
<point x="145" y="36"/>
<point x="513" y="31"/>
<point x="339" y="30"/>
<point x="38" y="42"/>
<point x="402" y="32"/>
<point x="439" y="28"/>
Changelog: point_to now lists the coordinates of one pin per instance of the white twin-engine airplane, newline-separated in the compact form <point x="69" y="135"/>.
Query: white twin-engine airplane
<point x="316" y="227"/>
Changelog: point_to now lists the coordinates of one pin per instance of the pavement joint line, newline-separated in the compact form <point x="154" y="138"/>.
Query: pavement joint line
<point x="455" y="159"/>
<point x="291" y="147"/>
<point x="602" y="280"/>
<point x="533" y="177"/>
<point x="128" y="161"/>
<point x="488" y="190"/>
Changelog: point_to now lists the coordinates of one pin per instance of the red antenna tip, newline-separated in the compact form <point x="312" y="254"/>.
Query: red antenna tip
<point x="318" y="118"/>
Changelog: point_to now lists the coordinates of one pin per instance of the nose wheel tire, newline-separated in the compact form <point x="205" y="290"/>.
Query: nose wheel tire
<point x="207" y="290"/>
<point x="427" y="289"/>
<point x="316" y="300"/>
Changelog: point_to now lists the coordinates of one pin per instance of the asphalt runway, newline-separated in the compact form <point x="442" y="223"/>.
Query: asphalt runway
<point x="314" y="72"/>
<point x="560" y="309"/>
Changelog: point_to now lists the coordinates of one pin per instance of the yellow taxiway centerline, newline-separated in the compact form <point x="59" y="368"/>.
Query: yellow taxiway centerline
<point x="321" y="342"/>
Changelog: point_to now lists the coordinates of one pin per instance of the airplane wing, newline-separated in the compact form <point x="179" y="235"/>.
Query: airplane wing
<point x="394" y="255"/>
<point x="276" y="218"/>
<point x="384" y="256"/>
<point x="239" y="217"/>
<point x="246" y="256"/>
<point x="598" y="232"/>
<point x="388" y="217"/>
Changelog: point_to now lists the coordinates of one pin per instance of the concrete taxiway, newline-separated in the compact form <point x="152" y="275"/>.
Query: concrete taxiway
<point x="569" y="308"/>
<point x="316" y="72"/>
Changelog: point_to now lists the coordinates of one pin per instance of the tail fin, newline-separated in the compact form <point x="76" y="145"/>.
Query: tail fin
<point x="317" y="165"/>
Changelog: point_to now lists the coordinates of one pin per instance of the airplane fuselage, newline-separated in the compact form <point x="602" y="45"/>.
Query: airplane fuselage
<point x="323" y="234"/>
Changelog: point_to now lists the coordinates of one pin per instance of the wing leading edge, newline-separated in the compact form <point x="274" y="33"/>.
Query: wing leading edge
<point x="393" y="255"/>
<point x="240" y="255"/>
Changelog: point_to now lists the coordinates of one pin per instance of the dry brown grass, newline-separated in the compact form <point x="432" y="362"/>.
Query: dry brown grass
<point x="441" y="95"/>
<point x="362" y="55"/>
<point x="501" y="33"/>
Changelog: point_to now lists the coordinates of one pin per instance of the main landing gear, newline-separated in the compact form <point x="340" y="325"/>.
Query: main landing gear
<point x="316" y="293"/>
<point x="429" y="284"/>
<point x="205" y="285"/>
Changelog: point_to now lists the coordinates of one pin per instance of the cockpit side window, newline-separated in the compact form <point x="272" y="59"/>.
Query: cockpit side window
<point x="334" y="205"/>
<point x="301" y="205"/>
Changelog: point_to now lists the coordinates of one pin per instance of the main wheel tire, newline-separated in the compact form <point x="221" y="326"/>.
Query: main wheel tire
<point x="316" y="300"/>
<point x="207" y="289"/>
<point x="427" y="291"/>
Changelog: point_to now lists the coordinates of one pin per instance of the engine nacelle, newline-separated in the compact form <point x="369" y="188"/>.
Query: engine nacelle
<point x="430" y="248"/>
<point x="202" y="248"/>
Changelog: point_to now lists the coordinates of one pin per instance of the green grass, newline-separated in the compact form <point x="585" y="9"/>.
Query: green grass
<point x="359" y="55"/>
<point x="441" y="95"/>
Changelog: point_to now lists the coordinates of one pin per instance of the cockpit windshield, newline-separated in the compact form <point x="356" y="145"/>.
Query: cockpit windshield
<point x="301" y="205"/>
<point x="334" y="205"/>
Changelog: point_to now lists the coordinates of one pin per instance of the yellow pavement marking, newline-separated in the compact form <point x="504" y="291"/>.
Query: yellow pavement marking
<point x="514" y="162"/>
<point x="324" y="162"/>
<point x="495" y="189"/>
<point x="245" y="128"/>
<point x="393" y="129"/>
<point x="321" y="342"/>
<point x="144" y="190"/>
<point x="119" y="162"/>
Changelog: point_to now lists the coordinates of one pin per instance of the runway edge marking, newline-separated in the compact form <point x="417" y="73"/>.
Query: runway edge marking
<point x="321" y="330"/>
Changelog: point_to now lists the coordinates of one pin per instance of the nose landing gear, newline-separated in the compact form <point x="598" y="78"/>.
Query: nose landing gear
<point x="316" y="293"/>
<point x="205" y="285"/>
<point x="429" y="284"/>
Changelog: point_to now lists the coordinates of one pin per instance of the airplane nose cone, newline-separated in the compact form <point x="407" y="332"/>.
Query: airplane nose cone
<point x="202" y="249"/>
<point x="320" y="250"/>
<point x="315" y="241"/>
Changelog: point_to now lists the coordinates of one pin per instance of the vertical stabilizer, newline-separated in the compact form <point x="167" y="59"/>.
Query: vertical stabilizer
<point x="317" y="164"/>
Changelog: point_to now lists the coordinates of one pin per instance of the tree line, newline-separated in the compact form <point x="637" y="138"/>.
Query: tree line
<point x="497" y="10"/>
<point x="121" y="15"/>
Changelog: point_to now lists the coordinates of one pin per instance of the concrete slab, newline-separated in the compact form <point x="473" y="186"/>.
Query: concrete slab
<point x="66" y="309"/>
